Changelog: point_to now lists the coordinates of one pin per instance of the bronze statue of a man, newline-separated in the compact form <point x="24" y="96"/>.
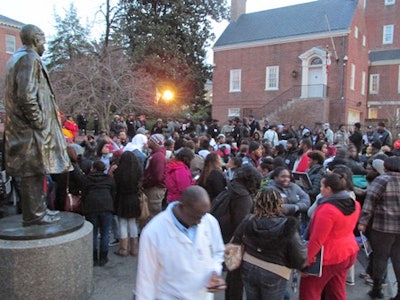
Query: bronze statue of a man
<point x="34" y="143"/>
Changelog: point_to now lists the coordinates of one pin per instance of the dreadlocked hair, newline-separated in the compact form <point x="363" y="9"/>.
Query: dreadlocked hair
<point x="268" y="203"/>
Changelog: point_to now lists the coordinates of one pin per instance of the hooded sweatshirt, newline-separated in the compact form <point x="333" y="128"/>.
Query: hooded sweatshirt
<point x="177" y="179"/>
<point x="273" y="239"/>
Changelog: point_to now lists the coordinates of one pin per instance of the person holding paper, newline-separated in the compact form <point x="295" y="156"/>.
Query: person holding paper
<point x="332" y="227"/>
<point x="382" y="209"/>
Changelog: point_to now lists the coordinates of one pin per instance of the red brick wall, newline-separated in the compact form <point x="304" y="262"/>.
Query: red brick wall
<point x="388" y="82"/>
<point x="253" y="63"/>
<point x="378" y="15"/>
<point x="4" y="57"/>
<point x="357" y="55"/>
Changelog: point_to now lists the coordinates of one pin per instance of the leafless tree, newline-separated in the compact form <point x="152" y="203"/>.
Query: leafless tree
<point x="103" y="84"/>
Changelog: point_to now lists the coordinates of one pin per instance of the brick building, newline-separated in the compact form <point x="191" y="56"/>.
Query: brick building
<point x="331" y="61"/>
<point x="9" y="42"/>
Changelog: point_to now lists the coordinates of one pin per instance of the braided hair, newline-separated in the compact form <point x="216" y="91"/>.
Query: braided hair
<point x="268" y="203"/>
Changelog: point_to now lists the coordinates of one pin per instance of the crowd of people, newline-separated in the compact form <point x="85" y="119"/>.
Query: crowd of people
<point x="285" y="195"/>
<point x="186" y="170"/>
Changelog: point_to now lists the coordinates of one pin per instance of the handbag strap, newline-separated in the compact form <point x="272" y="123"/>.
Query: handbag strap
<point x="279" y="270"/>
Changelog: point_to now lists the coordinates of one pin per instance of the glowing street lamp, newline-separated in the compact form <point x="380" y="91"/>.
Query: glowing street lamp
<point x="168" y="95"/>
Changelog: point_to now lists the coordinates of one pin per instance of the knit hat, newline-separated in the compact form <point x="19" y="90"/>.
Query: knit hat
<point x="157" y="139"/>
<point x="377" y="164"/>
<point x="253" y="146"/>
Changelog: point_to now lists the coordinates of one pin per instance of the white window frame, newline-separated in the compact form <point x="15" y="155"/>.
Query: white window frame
<point x="272" y="78"/>
<point x="353" y="77"/>
<point x="356" y="32"/>
<point x="387" y="34"/>
<point x="233" y="112"/>
<point x="363" y="78"/>
<point x="11" y="42"/>
<point x="372" y="89"/>
<point x="364" y="40"/>
<point x="235" y="80"/>
<point x="390" y="2"/>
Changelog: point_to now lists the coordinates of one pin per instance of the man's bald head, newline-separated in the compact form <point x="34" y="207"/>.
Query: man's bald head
<point x="194" y="204"/>
<point x="33" y="36"/>
<point x="194" y="194"/>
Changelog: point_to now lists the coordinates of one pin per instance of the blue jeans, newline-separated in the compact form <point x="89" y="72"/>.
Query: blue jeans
<point x="101" y="220"/>
<point x="260" y="284"/>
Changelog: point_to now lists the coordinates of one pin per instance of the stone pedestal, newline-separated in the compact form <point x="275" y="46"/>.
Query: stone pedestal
<point x="49" y="267"/>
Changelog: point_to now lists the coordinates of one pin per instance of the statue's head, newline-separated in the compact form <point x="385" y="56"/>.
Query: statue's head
<point x="33" y="36"/>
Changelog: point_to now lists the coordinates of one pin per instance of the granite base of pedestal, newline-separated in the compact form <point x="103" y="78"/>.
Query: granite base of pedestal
<point x="59" y="267"/>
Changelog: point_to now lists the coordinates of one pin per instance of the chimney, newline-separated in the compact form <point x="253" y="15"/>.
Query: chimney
<point x="238" y="7"/>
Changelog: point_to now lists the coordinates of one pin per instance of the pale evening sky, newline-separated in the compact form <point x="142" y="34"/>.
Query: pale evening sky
<point x="41" y="12"/>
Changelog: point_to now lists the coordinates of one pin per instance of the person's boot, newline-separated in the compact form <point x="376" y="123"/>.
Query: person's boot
<point x="134" y="244"/>
<point x="103" y="258"/>
<point x="95" y="259"/>
<point x="376" y="292"/>
<point x="123" y="248"/>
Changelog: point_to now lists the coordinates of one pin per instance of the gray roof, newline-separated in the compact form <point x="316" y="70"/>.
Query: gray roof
<point x="384" y="55"/>
<point x="8" y="21"/>
<point x="290" y="21"/>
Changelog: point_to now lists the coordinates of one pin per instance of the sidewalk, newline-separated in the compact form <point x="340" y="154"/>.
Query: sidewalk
<point x="116" y="280"/>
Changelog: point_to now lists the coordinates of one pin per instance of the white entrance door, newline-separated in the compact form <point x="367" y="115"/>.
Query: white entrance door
<point x="315" y="83"/>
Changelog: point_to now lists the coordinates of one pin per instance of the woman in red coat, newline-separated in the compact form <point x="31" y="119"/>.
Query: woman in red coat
<point x="177" y="174"/>
<point x="332" y="227"/>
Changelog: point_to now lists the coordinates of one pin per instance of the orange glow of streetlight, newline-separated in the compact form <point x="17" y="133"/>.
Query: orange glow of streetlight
<point x="168" y="95"/>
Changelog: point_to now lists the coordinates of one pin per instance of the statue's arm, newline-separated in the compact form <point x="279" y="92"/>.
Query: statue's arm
<point x="28" y="95"/>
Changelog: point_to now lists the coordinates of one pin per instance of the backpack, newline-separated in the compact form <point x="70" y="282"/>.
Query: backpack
<point x="220" y="205"/>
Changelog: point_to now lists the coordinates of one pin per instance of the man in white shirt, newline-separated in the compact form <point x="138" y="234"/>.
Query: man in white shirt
<point x="181" y="251"/>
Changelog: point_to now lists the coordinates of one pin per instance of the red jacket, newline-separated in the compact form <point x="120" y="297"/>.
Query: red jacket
<point x="71" y="126"/>
<point x="177" y="178"/>
<point x="332" y="229"/>
<point x="303" y="164"/>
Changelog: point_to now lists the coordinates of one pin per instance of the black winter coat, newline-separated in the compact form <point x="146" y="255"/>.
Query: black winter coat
<point x="215" y="184"/>
<point x="127" y="204"/>
<point x="240" y="205"/>
<point x="273" y="239"/>
<point x="98" y="193"/>
<point x="315" y="174"/>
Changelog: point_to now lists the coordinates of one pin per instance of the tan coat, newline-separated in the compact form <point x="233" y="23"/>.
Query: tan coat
<point x="34" y="143"/>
